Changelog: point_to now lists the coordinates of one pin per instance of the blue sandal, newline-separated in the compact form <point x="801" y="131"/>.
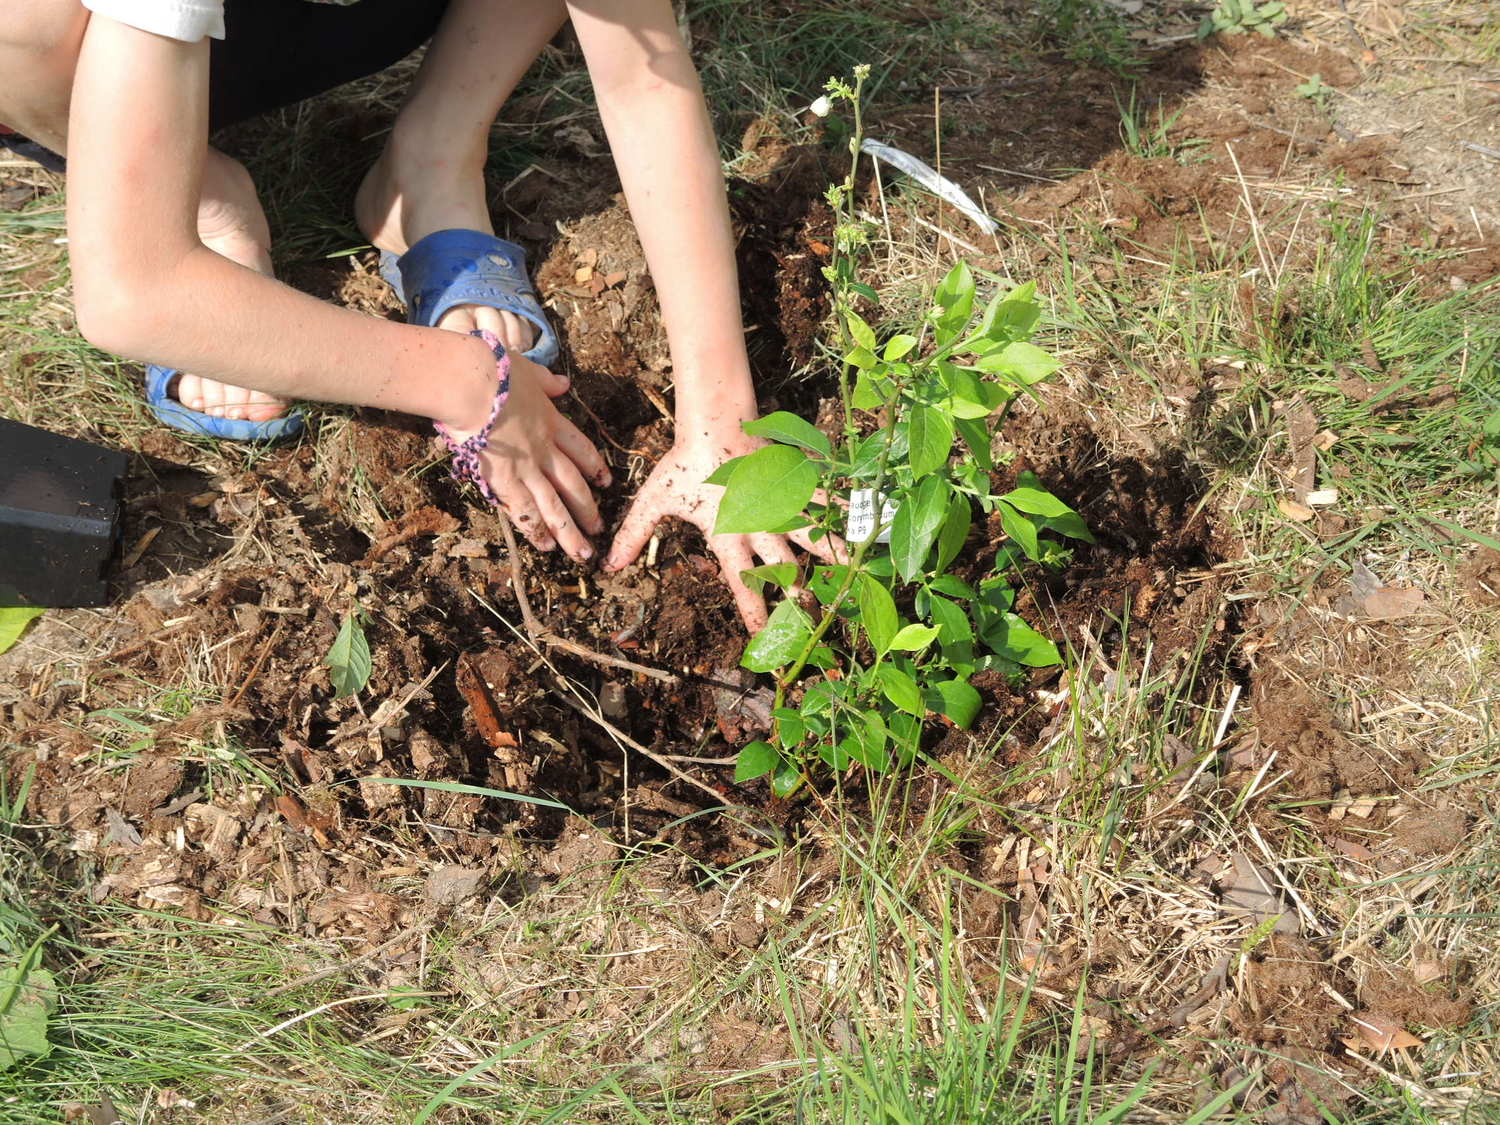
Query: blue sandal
<point x="468" y="267"/>
<point x="168" y="410"/>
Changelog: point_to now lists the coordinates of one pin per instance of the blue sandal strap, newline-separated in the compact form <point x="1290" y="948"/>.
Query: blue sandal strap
<point x="468" y="267"/>
<point x="164" y="405"/>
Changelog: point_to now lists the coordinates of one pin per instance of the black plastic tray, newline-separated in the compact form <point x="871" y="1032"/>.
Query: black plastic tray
<point x="59" y="517"/>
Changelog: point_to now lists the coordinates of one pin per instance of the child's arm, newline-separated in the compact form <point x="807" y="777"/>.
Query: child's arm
<point x="146" y="287"/>
<point x="663" y="142"/>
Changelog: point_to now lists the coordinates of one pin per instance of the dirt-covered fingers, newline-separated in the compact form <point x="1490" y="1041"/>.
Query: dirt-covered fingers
<point x="772" y="549"/>
<point x="520" y="504"/>
<point x="574" y="491"/>
<point x="829" y="549"/>
<point x="582" y="452"/>
<point x="559" y="520"/>
<point x="735" y="555"/>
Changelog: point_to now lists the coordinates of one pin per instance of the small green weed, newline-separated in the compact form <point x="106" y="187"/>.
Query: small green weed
<point x="1315" y="90"/>
<point x="348" y="660"/>
<point x="1089" y="31"/>
<point x="1235" y="17"/>
<point x="932" y="393"/>
<point x="1149" y="136"/>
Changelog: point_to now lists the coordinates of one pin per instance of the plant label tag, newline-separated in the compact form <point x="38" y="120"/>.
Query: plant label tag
<point x="862" y="516"/>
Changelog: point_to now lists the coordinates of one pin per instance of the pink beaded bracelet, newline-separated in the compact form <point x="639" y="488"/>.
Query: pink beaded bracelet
<point x="466" y="453"/>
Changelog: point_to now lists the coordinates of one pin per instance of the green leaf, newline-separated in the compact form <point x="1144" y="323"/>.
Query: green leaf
<point x="969" y="396"/>
<point x="780" y="575"/>
<point x="826" y="580"/>
<point x="956" y="699"/>
<point x="996" y="594"/>
<point x="786" y="780"/>
<point x="906" y="735"/>
<point x="790" y="429"/>
<point x="755" y="760"/>
<point x="1023" y="362"/>
<point x="900" y="689"/>
<point x="780" y="641"/>
<point x="952" y="622"/>
<point x="877" y="613"/>
<point x="866" y="745"/>
<point x="955" y="296"/>
<point x="954" y="531"/>
<point x="976" y="436"/>
<point x="1071" y="525"/>
<point x="1019" y="528"/>
<point x="867" y="455"/>
<point x="837" y="755"/>
<point x="1008" y="636"/>
<point x="861" y="333"/>
<point x="898" y="346"/>
<point x="930" y="433"/>
<point x="953" y="586"/>
<point x="819" y="699"/>
<point x="1036" y="501"/>
<point x="916" y="525"/>
<point x="721" y="475"/>
<point x="790" y="729"/>
<point x="768" y="488"/>
<point x="13" y="622"/>
<point x="1011" y="316"/>
<point x="871" y="391"/>
<point x="349" y="659"/>
<point x="913" y="638"/>
<point x="862" y="358"/>
<point x="822" y="656"/>
<point x="27" y="998"/>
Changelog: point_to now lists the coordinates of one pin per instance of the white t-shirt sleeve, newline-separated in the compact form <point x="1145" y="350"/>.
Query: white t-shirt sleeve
<point x="188" y="20"/>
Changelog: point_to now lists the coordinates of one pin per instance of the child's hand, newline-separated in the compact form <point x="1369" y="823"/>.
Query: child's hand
<point x="539" y="465"/>
<point x="675" y="488"/>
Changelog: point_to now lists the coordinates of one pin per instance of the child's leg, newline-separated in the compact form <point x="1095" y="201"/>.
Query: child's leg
<point x="430" y="176"/>
<point x="278" y="52"/>
<point x="232" y="224"/>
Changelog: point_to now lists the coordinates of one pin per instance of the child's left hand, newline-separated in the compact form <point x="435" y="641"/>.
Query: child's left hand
<point x="675" y="488"/>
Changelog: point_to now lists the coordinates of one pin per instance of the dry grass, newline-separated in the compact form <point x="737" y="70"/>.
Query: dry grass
<point x="1088" y="890"/>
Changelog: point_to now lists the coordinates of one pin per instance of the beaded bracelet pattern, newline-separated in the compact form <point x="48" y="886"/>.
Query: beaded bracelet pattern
<point x="466" y="453"/>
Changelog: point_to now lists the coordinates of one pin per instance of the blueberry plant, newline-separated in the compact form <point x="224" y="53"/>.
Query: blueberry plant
<point x="864" y="651"/>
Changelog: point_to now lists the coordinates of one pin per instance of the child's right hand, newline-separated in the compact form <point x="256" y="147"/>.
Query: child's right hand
<point x="539" y="465"/>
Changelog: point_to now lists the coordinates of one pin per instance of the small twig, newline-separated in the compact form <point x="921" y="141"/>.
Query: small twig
<point x="261" y="1036"/>
<point x="570" y="696"/>
<point x="604" y="430"/>
<point x="577" y="649"/>
<point x="260" y="661"/>
<point x="542" y="635"/>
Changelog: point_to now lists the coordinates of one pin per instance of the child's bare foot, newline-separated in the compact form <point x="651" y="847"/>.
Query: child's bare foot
<point x="232" y="224"/>
<point x="393" y="217"/>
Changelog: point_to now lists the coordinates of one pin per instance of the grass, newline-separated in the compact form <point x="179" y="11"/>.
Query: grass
<point x="989" y="942"/>
<point x="1094" y="32"/>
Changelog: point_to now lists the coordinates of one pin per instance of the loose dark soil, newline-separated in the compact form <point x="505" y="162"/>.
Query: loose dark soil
<point x="259" y="565"/>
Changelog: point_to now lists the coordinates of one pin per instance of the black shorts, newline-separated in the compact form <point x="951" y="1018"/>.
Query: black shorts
<point x="278" y="52"/>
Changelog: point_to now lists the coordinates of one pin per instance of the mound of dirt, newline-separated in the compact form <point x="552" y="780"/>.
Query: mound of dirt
<point x="1323" y="760"/>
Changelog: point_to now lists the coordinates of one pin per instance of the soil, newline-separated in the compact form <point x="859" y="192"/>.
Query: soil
<point x="257" y="566"/>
